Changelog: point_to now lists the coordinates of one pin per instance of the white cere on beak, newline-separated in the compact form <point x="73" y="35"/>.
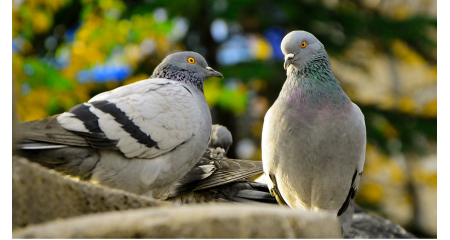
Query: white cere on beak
<point x="288" y="60"/>
<point x="288" y="56"/>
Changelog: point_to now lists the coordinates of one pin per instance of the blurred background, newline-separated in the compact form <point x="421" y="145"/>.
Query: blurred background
<point x="384" y="53"/>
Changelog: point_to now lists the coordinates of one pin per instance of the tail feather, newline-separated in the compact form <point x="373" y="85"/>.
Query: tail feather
<point x="74" y="161"/>
<point x="257" y="195"/>
<point x="239" y="191"/>
<point x="40" y="146"/>
<point x="210" y="173"/>
<point x="50" y="131"/>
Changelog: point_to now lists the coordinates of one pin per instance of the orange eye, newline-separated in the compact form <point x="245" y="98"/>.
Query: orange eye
<point x="191" y="60"/>
<point x="303" y="44"/>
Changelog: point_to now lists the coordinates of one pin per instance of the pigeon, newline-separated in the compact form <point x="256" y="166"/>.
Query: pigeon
<point x="237" y="188"/>
<point x="314" y="137"/>
<point x="216" y="178"/>
<point x="365" y="225"/>
<point x="141" y="138"/>
<point x="220" y="138"/>
<point x="228" y="181"/>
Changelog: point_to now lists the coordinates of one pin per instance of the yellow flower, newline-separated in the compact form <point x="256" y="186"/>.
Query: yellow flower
<point x="133" y="54"/>
<point x="34" y="105"/>
<point x="401" y="12"/>
<point x="261" y="49"/>
<point x="422" y="176"/>
<point x="396" y="172"/>
<point x="370" y="193"/>
<point x="41" y="21"/>
<point x="124" y="26"/>
<point x="82" y="91"/>
<point x="403" y="52"/>
<point x="17" y="24"/>
<point x="430" y="109"/>
<point x="406" y="104"/>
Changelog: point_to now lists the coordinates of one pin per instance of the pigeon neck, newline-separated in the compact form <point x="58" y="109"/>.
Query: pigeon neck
<point x="314" y="84"/>
<point x="172" y="72"/>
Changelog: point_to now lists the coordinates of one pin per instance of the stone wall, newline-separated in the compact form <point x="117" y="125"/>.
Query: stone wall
<point x="49" y="205"/>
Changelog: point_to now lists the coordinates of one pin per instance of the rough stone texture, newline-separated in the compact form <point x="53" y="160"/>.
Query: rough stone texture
<point x="366" y="226"/>
<point x="40" y="195"/>
<point x="198" y="221"/>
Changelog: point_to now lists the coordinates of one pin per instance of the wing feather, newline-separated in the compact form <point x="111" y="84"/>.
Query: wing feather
<point x="49" y="130"/>
<point x="143" y="120"/>
<point x="148" y="119"/>
<point x="211" y="172"/>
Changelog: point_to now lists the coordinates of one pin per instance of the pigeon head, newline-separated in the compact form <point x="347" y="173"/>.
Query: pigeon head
<point x="188" y="67"/>
<point x="299" y="47"/>
<point x="220" y="137"/>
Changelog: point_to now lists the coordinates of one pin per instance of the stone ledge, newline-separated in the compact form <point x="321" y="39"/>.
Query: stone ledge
<point x="40" y="195"/>
<point x="197" y="221"/>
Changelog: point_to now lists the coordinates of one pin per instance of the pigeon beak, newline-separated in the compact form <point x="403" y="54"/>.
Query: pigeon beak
<point x="214" y="73"/>
<point x="288" y="59"/>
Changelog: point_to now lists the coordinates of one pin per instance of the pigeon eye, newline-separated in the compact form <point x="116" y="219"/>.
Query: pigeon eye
<point x="303" y="44"/>
<point x="191" y="60"/>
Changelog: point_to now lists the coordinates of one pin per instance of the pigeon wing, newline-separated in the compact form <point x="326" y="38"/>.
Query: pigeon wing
<point x="143" y="120"/>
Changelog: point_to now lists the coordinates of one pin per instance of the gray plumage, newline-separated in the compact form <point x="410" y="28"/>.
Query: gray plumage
<point x="141" y="137"/>
<point x="216" y="178"/>
<point x="238" y="191"/>
<point x="220" y="137"/>
<point x="365" y="225"/>
<point x="314" y="137"/>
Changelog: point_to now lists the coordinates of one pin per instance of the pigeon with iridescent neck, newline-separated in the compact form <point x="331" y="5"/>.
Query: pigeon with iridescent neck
<point x="314" y="136"/>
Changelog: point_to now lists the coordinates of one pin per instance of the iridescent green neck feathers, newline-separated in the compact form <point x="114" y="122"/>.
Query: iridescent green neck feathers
<point x="314" y="84"/>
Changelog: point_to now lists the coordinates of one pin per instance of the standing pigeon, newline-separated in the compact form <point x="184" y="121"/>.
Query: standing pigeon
<point x="314" y="137"/>
<point x="141" y="137"/>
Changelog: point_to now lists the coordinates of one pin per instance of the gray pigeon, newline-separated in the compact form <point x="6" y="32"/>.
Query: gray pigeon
<point x="141" y="137"/>
<point x="220" y="138"/>
<point x="314" y="137"/>
<point x="220" y="180"/>
<point x="216" y="178"/>
<point x="365" y="225"/>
